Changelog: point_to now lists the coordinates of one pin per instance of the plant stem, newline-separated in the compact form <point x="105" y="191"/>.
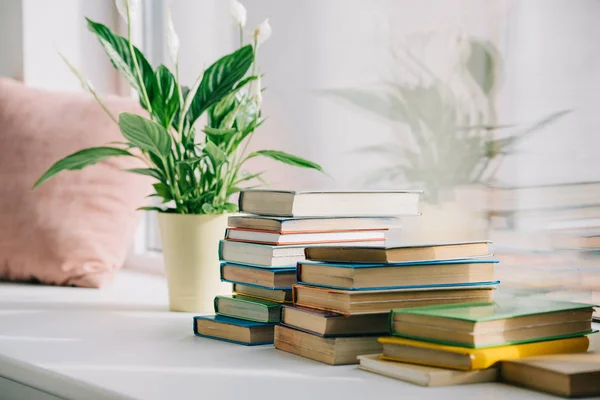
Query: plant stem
<point x="241" y="36"/>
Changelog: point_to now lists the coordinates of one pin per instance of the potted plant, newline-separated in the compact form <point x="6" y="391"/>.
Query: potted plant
<point x="195" y="174"/>
<point x="439" y="103"/>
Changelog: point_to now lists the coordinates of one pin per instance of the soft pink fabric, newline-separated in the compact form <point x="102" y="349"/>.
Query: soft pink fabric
<point x="76" y="228"/>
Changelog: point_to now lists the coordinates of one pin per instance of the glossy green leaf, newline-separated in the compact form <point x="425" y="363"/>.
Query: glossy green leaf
<point x="287" y="158"/>
<point x="153" y="172"/>
<point x="165" y="101"/>
<point x="219" y="80"/>
<point x="117" y="49"/>
<point x="163" y="191"/>
<point x="216" y="154"/>
<point x="81" y="159"/>
<point x="145" y="134"/>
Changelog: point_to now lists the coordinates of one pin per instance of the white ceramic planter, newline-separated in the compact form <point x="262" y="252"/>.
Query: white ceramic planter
<point x="191" y="253"/>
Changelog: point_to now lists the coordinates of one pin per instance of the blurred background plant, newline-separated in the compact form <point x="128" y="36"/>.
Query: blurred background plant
<point x="439" y="99"/>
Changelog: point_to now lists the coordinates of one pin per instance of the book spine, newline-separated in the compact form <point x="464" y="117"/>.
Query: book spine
<point x="241" y="201"/>
<point x="216" y="304"/>
<point x="221" y="250"/>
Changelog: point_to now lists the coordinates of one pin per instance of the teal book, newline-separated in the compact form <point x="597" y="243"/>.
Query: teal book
<point x="234" y="330"/>
<point x="402" y="275"/>
<point x="282" y="278"/>
<point x="490" y="324"/>
<point x="248" y="308"/>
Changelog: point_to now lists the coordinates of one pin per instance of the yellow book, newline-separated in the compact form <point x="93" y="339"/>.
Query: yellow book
<point x="464" y="358"/>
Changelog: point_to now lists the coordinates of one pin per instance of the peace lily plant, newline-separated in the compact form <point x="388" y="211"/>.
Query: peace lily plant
<point x="195" y="174"/>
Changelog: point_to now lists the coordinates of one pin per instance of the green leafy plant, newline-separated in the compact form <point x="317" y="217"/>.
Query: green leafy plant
<point x="194" y="174"/>
<point x="444" y="123"/>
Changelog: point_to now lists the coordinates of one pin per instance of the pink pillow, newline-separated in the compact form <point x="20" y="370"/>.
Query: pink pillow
<point x="76" y="228"/>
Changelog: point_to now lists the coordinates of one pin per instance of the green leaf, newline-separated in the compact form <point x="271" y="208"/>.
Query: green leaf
<point x="117" y="49"/>
<point x="145" y="134"/>
<point x="218" y="136"/>
<point x="158" y="209"/>
<point x="153" y="172"/>
<point x="484" y="64"/>
<point x="219" y="80"/>
<point x="287" y="159"/>
<point x="81" y="159"/>
<point x="166" y="97"/>
<point x="216" y="154"/>
<point x="163" y="191"/>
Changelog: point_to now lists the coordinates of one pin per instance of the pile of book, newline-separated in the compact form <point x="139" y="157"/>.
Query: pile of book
<point x="263" y="246"/>
<point x="548" y="240"/>
<point x="343" y="297"/>
<point x="539" y="344"/>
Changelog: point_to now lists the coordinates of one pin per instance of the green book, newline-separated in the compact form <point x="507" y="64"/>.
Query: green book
<point x="248" y="308"/>
<point x="490" y="324"/>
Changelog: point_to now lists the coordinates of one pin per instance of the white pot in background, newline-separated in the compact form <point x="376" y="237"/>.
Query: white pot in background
<point x="191" y="252"/>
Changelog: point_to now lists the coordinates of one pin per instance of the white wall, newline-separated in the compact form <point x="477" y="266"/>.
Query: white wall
<point x="59" y="25"/>
<point x="11" y="39"/>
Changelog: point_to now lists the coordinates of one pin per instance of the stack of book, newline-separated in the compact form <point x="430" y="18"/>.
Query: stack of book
<point x="463" y="343"/>
<point x="548" y="240"/>
<point x="344" y="294"/>
<point x="262" y="248"/>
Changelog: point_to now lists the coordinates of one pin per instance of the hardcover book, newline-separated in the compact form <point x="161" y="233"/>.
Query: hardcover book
<point x="333" y="351"/>
<point x="322" y="237"/>
<point x="311" y="225"/>
<point x="399" y="275"/>
<point x="463" y="358"/>
<point x="234" y="330"/>
<point x="269" y="278"/>
<point x="489" y="324"/>
<point x="332" y="204"/>
<point x="424" y="375"/>
<point x="376" y="255"/>
<point x="355" y="302"/>
<point x="248" y="308"/>
<point x="330" y="324"/>
<point x="277" y="295"/>
<point x="265" y="255"/>
<point x="569" y="375"/>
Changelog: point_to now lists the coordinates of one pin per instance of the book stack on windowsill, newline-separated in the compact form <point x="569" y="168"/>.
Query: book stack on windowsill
<point x="262" y="247"/>
<point x="344" y="294"/>
<point x="471" y="342"/>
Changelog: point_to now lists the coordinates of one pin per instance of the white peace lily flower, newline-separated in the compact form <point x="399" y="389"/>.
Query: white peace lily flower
<point x="262" y="32"/>
<point x="238" y="12"/>
<point x="172" y="38"/>
<point x="122" y="8"/>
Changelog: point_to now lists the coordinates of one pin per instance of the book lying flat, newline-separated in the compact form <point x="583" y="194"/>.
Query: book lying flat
<point x="268" y="278"/>
<point x="280" y="239"/>
<point x="248" y="308"/>
<point x="349" y="302"/>
<point x="277" y="295"/>
<point x="234" y="330"/>
<point x="265" y="255"/>
<point x="463" y="358"/>
<point x="311" y="225"/>
<point x="332" y="204"/>
<point x="330" y="324"/>
<point x="376" y="255"/>
<point x="569" y="375"/>
<point x="333" y="351"/>
<point x="488" y="324"/>
<point x="401" y="275"/>
<point x="423" y="375"/>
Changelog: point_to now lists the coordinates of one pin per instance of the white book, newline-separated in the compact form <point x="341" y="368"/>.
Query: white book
<point x="329" y="204"/>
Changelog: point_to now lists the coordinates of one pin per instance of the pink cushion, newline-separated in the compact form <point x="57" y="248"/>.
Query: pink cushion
<point x="76" y="228"/>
